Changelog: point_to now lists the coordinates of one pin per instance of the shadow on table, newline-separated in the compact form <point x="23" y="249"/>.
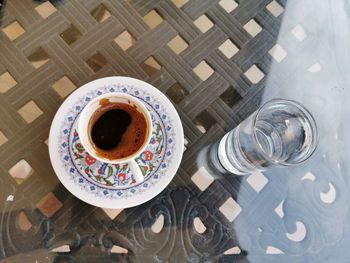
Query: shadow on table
<point x="161" y="230"/>
<point x="183" y="224"/>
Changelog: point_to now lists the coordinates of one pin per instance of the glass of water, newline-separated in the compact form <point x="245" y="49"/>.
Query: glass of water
<point x="280" y="133"/>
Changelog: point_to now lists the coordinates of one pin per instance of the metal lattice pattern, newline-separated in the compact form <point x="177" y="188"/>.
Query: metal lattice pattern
<point x="209" y="57"/>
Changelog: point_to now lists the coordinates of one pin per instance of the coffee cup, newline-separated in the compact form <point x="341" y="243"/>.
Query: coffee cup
<point x="116" y="128"/>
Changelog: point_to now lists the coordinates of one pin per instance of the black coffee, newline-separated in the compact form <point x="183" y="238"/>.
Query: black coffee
<point x="108" y="130"/>
<point x="117" y="130"/>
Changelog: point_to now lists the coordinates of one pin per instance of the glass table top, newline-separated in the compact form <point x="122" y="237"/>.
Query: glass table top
<point x="217" y="61"/>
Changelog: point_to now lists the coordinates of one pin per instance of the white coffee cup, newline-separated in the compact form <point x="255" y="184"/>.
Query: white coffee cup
<point x="83" y="129"/>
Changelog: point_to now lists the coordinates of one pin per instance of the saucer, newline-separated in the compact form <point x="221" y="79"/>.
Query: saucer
<point x="112" y="185"/>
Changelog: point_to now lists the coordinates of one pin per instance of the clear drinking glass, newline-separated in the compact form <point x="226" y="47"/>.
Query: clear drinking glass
<point x="280" y="133"/>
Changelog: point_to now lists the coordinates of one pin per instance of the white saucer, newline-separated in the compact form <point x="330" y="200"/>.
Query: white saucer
<point x="112" y="186"/>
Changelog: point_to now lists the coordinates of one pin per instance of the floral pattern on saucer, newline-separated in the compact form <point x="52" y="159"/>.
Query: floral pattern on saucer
<point x="116" y="181"/>
<point x="117" y="176"/>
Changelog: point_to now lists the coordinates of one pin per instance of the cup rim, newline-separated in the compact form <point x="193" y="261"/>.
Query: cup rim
<point x="85" y="139"/>
<point x="305" y="111"/>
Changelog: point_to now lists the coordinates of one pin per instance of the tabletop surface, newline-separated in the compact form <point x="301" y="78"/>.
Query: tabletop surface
<point x="217" y="61"/>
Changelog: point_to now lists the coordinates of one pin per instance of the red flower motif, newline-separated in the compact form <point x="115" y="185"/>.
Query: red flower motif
<point x="122" y="176"/>
<point x="125" y="166"/>
<point x="90" y="160"/>
<point x="148" y="155"/>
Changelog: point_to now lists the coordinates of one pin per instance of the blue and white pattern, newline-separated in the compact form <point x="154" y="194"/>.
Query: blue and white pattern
<point x="117" y="191"/>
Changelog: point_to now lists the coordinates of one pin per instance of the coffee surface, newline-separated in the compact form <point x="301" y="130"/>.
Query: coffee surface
<point x="117" y="130"/>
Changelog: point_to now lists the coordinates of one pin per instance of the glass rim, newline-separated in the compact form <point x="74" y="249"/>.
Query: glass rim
<point x="308" y="116"/>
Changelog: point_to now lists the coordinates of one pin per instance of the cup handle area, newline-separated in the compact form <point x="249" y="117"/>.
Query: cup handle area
<point x="136" y="171"/>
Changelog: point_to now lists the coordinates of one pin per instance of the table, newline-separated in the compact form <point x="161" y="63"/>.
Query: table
<point x="217" y="61"/>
